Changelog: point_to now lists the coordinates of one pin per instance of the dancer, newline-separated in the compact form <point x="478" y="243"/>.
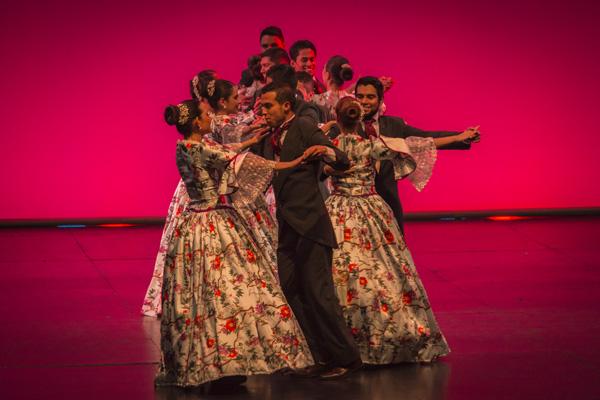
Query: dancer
<point x="230" y="127"/>
<point x="303" y="55"/>
<point x="336" y="72"/>
<point x="306" y="237"/>
<point x="382" y="298"/>
<point x="151" y="306"/>
<point x="369" y="92"/>
<point x="223" y="312"/>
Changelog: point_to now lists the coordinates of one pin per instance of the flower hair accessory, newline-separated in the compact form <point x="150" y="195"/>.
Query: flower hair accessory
<point x="210" y="88"/>
<point x="184" y="114"/>
<point x="195" y="82"/>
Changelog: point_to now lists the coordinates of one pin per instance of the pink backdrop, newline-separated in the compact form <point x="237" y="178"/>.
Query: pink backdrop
<point x="83" y="89"/>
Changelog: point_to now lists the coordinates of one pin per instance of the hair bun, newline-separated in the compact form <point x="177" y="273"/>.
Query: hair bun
<point x="172" y="115"/>
<point x="346" y="73"/>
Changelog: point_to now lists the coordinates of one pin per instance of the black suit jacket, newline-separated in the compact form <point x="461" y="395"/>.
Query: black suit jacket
<point x="299" y="200"/>
<point x="385" y="183"/>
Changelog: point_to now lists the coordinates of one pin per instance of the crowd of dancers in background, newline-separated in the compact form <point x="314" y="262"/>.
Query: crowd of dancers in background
<point x="283" y="249"/>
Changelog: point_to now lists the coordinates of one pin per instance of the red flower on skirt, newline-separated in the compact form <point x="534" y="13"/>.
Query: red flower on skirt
<point x="355" y="331"/>
<point x="250" y="256"/>
<point x="349" y="296"/>
<point x="230" y="325"/>
<point x="285" y="312"/>
<point x="347" y="234"/>
<point x="217" y="293"/>
<point x="211" y="227"/>
<point x="368" y="246"/>
<point x="233" y="353"/>
<point x="217" y="262"/>
<point x="406" y="298"/>
<point x="384" y="307"/>
<point x="352" y="267"/>
<point x="210" y="342"/>
<point x="258" y="217"/>
<point x="188" y="321"/>
<point x="363" y="281"/>
<point x="389" y="236"/>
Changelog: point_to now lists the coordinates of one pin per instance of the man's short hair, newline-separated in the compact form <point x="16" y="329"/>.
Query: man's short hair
<point x="272" y="31"/>
<point x="277" y="55"/>
<point x="301" y="45"/>
<point x="373" y="81"/>
<point x="283" y="93"/>
<point x="283" y="74"/>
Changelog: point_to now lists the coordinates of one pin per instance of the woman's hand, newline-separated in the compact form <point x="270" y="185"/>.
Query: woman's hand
<point x="470" y="135"/>
<point x="314" y="152"/>
<point x="326" y="127"/>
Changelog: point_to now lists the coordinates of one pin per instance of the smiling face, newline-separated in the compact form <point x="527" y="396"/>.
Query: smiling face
<point x="306" y="61"/>
<point x="368" y="99"/>
<point x="275" y="113"/>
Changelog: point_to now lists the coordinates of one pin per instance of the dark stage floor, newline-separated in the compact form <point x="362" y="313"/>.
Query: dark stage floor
<point x="518" y="302"/>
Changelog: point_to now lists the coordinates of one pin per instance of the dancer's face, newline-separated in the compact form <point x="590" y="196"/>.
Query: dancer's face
<point x="265" y="65"/>
<point x="306" y="61"/>
<point x="268" y="41"/>
<point x="230" y="104"/>
<point x="275" y="113"/>
<point x="368" y="99"/>
<point x="204" y="120"/>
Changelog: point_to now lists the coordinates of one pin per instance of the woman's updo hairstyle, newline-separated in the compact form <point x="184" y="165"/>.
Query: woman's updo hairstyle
<point x="340" y="70"/>
<point x="199" y="80"/>
<point x="214" y="90"/>
<point x="182" y="116"/>
<point x="349" y="113"/>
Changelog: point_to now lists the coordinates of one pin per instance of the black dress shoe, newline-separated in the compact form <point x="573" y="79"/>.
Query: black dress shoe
<point x="340" y="372"/>
<point x="310" y="372"/>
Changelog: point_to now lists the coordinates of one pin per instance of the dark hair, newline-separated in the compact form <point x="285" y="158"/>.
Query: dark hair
<point x="182" y="116"/>
<point x="348" y="112"/>
<point x="283" y="93"/>
<point x="340" y="70"/>
<point x="272" y="31"/>
<point x="198" y="80"/>
<point x="283" y="74"/>
<point x="213" y="92"/>
<point x="301" y="45"/>
<point x="277" y="55"/>
<point x="304" y="77"/>
<point x="373" y="81"/>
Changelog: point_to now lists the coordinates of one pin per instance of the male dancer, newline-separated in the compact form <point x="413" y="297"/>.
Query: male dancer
<point x="306" y="236"/>
<point x="303" y="55"/>
<point x="369" y="92"/>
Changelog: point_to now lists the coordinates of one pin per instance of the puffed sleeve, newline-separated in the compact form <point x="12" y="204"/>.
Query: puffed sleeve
<point x="413" y="157"/>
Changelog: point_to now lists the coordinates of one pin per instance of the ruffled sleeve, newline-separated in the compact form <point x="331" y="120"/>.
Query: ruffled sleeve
<point x="253" y="176"/>
<point x="413" y="157"/>
<point x="227" y="129"/>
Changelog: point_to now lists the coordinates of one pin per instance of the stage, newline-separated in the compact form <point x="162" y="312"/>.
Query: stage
<point x="518" y="302"/>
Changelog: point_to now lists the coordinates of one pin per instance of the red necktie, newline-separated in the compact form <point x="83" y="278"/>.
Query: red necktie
<point x="369" y="128"/>
<point x="276" y="137"/>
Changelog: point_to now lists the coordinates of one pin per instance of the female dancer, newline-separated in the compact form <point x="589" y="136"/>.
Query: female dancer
<point x="382" y="297"/>
<point x="223" y="313"/>
<point x="336" y="73"/>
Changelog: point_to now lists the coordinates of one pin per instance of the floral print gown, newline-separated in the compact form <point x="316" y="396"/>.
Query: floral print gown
<point x="379" y="290"/>
<point x="227" y="129"/>
<point x="223" y="312"/>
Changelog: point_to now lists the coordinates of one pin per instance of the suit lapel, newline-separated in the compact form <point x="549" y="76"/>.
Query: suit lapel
<point x="292" y="146"/>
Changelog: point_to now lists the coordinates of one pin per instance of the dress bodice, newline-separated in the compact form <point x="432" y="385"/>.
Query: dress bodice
<point x="205" y="169"/>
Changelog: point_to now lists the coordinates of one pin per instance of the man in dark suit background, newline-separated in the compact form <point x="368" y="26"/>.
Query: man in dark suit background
<point x="306" y="236"/>
<point x="369" y="92"/>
